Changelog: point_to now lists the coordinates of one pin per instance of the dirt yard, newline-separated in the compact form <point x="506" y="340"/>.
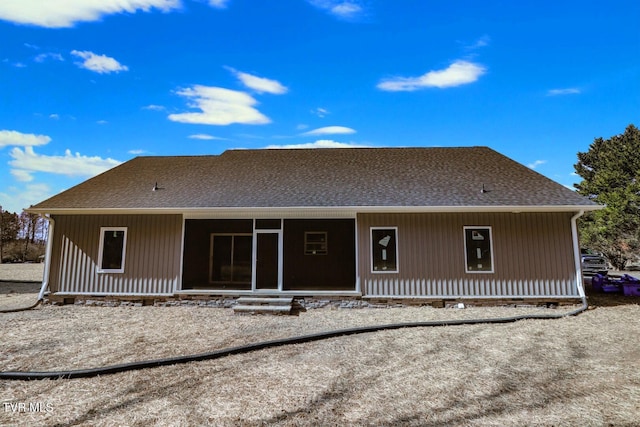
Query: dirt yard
<point x="579" y="370"/>
<point x="19" y="284"/>
<point x="22" y="272"/>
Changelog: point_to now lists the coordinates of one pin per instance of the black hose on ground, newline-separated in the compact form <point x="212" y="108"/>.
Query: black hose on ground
<point x="15" y="310"/>
<point x="106" y="370"/>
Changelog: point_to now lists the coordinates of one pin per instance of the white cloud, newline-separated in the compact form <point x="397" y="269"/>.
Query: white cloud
<point x="59" y="14"/>
<point x="218" y="4"/>
<point x="26" y="162"/>
<point x="320" y="112"/>
<point x="481" y="42"/>
<point x="54" y="116"/>
<point x="343" y="9"/>
<point x="154" y="107"/>
<point x="19" y="198"/>
<point x="204" y="137"/>
<point x="331" y="130"/>
<point x="18" y="139"/>
<point x="21" y="175"/>
<point x="101" y="64"/>
<point x="321" y="143"/>
<point x="536" y="164"/>
<point x="456" y="74"/>
<point x="219" y="106"/>
<point x="137" y="152"/>
<point x="346" y="9"/>
<point x="566" y="91"/>
<point x="259" y="84"/>
<point x="44" y="56"/>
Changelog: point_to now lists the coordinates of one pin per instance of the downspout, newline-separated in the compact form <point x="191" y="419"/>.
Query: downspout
<point x="577" y="257"/>
<point x="47" y="258"/>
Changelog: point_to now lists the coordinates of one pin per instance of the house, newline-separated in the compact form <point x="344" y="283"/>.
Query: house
<point x="409" y="223"/>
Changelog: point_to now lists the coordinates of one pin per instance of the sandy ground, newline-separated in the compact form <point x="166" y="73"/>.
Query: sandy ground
<point x="21" y="272"/>
<point x="573" y="371"/>
<point x="19" y="284"/>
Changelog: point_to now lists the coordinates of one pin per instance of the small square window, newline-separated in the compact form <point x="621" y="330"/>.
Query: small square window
<point x="111" y="254"/>
<point x="478" y="250"/>
<point x="315" y="243"/>
<point x="384" y="249"/>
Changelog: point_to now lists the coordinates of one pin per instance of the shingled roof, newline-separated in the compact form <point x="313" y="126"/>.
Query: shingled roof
<point x="433" y="178"/>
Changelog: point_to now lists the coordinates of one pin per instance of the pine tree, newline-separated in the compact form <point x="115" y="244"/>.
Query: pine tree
<point x="611" y="176"/>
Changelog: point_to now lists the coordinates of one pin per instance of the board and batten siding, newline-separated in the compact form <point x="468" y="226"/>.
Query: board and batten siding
<point x="533" y="256"/>
<point x="152" y="259"/>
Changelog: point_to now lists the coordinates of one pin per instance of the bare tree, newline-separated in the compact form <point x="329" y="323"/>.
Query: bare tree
<point x="9" y="227"/>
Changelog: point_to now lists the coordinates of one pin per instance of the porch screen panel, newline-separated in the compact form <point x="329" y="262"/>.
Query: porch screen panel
<point x="231" y="259"/>
<point x="222" y="258"/>
<point x="242" y="259"/>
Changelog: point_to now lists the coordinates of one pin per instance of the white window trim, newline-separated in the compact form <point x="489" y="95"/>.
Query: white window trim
<point x="493" y="260"/>
<point x="397" y="270"/>
<point x="104" y="230"/>
<point x="326" y="243"/>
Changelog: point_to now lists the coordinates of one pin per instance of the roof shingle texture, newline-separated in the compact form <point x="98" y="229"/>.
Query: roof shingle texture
<point x="379" y="177"/>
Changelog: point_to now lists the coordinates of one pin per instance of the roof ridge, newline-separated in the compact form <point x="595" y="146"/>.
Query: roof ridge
<point x="176" y="156"/>
<point x="426" y="177"/>
<point x="419" y="147"/>
<point x="310" y="149"/>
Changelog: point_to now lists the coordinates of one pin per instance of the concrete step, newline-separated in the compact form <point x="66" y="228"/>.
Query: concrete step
<point x="283" y="309"/>
<point x="257" y="305"/>
<point x="264" y="301"/>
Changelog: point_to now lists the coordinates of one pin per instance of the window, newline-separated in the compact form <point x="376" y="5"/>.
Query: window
<point x="268" y="224"/>
<point x="384" y="249"/>
<point x="315" y="243"/>
<point x="113" y="245"/>
<point x="478" y="250"/>
<point x="231" y="259"/>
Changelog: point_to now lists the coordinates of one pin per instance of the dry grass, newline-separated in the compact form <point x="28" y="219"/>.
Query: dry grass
<point x="575" y="371"/>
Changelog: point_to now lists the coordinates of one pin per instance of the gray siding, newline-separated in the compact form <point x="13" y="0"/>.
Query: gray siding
<point x="152" y="263"/>
<point x="533" y="256"/>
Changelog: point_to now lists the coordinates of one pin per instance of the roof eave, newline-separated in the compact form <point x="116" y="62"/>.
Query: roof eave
<point x="350" y="210"/>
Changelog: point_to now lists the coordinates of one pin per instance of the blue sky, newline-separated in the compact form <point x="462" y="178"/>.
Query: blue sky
<point x="88" y="84"/>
